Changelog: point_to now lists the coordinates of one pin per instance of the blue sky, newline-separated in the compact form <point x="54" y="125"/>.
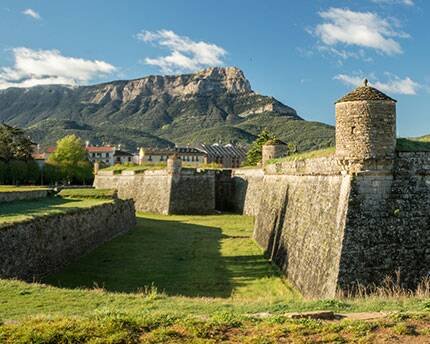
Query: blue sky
<point x="304" y="53"/>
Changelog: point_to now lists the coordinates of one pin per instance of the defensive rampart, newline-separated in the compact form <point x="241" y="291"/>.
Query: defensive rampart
<point x="301" y="219"/>
<point x="330" y="230"/>
<point x="10" y="196"/>
<point x="330" y="224"/>
<point x="188" y="191"/>
<point x="387" y="228"/>
<point x="32" y="248"/>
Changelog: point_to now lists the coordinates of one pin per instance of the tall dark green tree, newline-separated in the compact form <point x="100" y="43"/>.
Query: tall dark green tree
<point x="254" y="155"/>
<point x="17" y="171"/>
<point x="17" y="164"/>
<point x="14" y="144"/>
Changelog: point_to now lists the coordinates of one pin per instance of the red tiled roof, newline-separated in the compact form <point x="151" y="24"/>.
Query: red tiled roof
<point x="39" y="156"/>
<point x="51" y="149"/>
<point x="94" y="149"/>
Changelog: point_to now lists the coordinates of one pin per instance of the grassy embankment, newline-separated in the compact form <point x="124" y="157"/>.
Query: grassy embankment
<point x="320" y="153"/>
<point x="421" y="144"/>
<point x="13" y="188"/>
<point x="157" y="166"/>
<point x="187" y="279"/>
<point x="26" y="210"/>
<point x="118" y="168"/>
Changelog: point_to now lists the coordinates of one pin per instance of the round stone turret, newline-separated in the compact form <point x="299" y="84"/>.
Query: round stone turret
<point x="366" y="125"/>
<point x="273" y="149"/>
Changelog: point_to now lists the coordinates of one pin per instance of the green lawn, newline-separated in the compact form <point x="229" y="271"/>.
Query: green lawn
<point x="320" y="153"/>
<point x="25" y="210"/>
<point x="14" y="188"/>
<point x="199" y="256"/>
<point x="182" y="279"/>
<point x="420" y="144"/>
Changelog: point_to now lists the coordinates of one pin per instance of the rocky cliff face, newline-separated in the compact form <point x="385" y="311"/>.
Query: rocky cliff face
<point x="208" y="82"/>
<point x="213" y="105"/>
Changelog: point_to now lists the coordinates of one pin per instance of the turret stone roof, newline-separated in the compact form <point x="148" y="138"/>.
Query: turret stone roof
<point x="365" y="93"/>
<point x="275" y="142"/>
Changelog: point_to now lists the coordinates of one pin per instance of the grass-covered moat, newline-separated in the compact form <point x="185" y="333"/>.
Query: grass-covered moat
<point x="185" y="279"/>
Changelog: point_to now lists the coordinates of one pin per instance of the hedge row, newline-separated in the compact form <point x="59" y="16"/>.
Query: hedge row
<point x="19" y="172"/>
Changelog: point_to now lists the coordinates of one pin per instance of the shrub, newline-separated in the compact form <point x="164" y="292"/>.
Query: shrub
<point x="405" y="329"/>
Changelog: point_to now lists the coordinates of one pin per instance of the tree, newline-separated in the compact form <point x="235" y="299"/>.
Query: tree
<point x="51" y="174"/>
<point x="33" y="172"/>
<point x="254" y="155"/>
<point x="14" y="145"/>
<point x="71" y="158"/>
<point x="17" y="171"/>
<point x="3" y="172"/>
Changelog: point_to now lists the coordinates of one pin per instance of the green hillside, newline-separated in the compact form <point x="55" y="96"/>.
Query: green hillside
<point x="213" y="105"/>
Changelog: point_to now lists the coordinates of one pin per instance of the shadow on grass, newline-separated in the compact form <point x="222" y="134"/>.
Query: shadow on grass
<point x="176" y="258"/>
<point x="179" y="259"/>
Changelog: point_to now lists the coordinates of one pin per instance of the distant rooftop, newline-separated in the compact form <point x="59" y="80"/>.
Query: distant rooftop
<point x="94" y="149"/>
<point x="365" y="93"/>
<point x="228" y="150"/>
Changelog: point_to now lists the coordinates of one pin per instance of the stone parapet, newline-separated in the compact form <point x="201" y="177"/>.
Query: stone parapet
<point x="33" y="248"/>
<point x="22" y="195"/>
<point x="167" y="191"/>
<point x="309" y="167"/>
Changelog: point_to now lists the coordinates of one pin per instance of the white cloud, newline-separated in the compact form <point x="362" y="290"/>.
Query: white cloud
<point x="32" y="13"/>
<point x="42" y="67"/>
<point x="184" y="53"/>
<point x="395" y="2"/>
<point x="394" y="84"/>
<point x="362" y="29"/>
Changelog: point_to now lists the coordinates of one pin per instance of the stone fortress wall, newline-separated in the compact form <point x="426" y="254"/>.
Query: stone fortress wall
<point x="329" y="223"/>
<point x="387" y="226"/>
<point x="10" y="196"/>
<point x="327" y="229"/>
<point x="33" y="248"/>
<point x="175" y="191"/>
<point x="150" y="190"/>
<point x="299" y="224"/>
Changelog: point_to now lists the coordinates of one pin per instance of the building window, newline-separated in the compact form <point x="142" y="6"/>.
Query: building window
<point x="107" y="161"/>
<point x="94" y="155"/>
<point x="129" y="159"/>
<point x="161" y="158"/>
<point x="150" y="158"/>
<point x="197" y="158"/>
<point x="107" y="155"/>
<point x="98" y="154"/>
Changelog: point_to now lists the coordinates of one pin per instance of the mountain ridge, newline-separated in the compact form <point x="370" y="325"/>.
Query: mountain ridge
<point x="156" y="110"/>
